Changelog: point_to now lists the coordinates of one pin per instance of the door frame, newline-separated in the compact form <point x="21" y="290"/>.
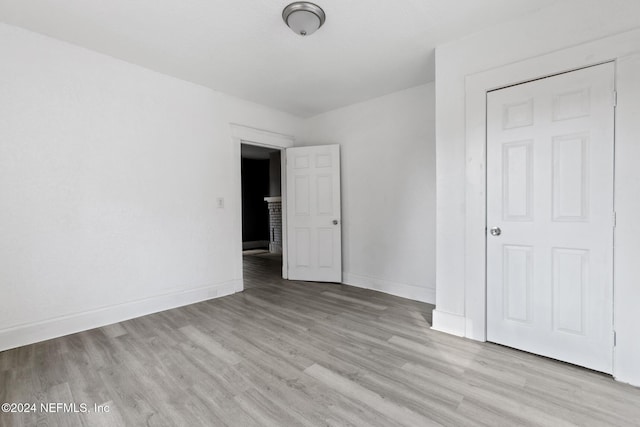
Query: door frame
<point x="462" y="309"/>
<point x="242" y="134"/>
<point x="475" y="239"/>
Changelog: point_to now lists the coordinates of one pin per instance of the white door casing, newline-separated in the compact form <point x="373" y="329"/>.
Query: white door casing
<point x="550" y="192"/>
<point x="313" y="212"/>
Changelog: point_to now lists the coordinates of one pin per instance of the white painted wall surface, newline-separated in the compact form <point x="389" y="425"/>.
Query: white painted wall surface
<point x="388" y="190"/>
<point x="560" y="27"/>
<point x="109" y="175"/>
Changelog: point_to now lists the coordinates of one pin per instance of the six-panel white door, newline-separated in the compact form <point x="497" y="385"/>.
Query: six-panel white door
<point x="550" y="216"/>
<point x="313" y="213"/>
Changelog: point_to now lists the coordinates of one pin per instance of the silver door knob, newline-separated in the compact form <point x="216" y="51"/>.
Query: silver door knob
<point x="495" y="231"/>
<point x="335" y="222"/>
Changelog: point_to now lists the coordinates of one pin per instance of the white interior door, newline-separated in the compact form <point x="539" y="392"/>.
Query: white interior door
<point x="550" y="195"/>
<point x="313" y="213"/>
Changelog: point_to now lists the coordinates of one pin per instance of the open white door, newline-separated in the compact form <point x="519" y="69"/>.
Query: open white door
<point x="550" y="217"/>
<point x="313" y="213"/>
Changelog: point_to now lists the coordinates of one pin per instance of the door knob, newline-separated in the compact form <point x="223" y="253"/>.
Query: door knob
<point x="335" y="222"/>
<point x="495" y="231"/>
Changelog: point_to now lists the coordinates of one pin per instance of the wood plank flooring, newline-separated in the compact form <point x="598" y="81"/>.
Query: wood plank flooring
<point x="301" y="354"/>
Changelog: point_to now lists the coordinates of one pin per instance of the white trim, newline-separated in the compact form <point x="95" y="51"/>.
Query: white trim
<point x="477" y="86"/>
<point x="283" y="213"/>
<point x="261" y="137"/>
<point x="449" y="323"/>
<point x="30" y="333"/>
<point x="627" y="233"/>
<point x="417" y="293"/>
<point x="622" y="48"/>
<point x="273" y="199"/>
<point x="241" y="134"/>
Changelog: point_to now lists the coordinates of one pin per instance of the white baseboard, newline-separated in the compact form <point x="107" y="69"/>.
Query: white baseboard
<point x="449" y="323"/>
<point x="44" y="330"/>
<point x="416" y="293"/>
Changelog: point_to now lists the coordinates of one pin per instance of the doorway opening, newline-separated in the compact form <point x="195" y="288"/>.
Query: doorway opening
<point x="261" y="193"/>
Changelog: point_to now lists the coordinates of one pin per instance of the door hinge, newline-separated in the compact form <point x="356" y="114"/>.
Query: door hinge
<point x="615" y="219"/>
<point x="615" y="98"/>
<point x="615" y="339"/>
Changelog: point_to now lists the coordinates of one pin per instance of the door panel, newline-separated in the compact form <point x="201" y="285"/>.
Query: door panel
<point x="313" y="213"/>
<point x="550" y="192"/>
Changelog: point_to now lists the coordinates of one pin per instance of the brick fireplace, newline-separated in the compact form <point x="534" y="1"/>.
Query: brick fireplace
<point x="274" y="205"/>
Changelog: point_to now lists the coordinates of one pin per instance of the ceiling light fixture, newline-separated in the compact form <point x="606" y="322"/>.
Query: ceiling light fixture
<point x="303" y="18"/>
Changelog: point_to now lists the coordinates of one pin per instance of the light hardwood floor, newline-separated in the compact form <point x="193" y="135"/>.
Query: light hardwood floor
<point x="292" y="353"/>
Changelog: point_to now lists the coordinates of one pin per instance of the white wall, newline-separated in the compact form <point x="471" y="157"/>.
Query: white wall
<point x="109" y="175"/>
<point x="388" y="189"/>
<point x="557" y="30"/>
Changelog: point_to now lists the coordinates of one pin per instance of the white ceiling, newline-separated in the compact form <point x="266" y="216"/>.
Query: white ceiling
<point x="365" y="49"/>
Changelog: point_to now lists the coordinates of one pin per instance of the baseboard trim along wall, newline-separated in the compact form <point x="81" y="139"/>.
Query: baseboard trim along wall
<point x="450" y="323"/>
<point x="44" y="330"/>
<point x="417" y="293"/>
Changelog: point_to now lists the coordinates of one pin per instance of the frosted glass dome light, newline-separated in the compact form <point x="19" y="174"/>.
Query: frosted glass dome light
<point x="303" y="18"/>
